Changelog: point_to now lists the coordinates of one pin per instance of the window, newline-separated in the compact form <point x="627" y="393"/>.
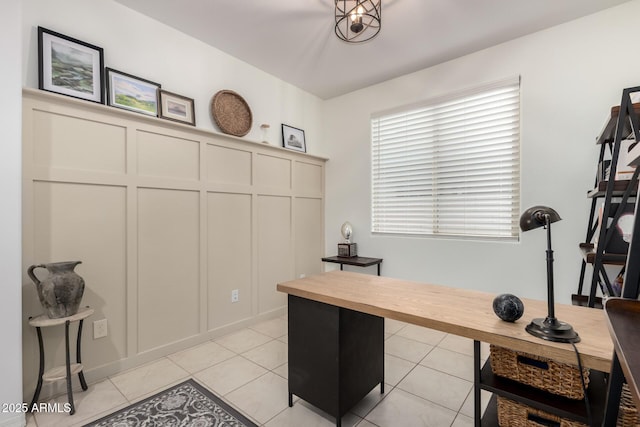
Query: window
<point x="450" y="167"/>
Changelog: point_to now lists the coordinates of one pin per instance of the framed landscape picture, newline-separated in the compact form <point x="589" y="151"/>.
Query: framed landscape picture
<point x="177" y="107"/>
<point x="132" y="93"/>
<point x="293" y="138"/>
<point x="69" y="66"/>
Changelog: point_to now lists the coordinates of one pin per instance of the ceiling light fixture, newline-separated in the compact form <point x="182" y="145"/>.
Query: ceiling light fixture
<point x="358" y="20"/>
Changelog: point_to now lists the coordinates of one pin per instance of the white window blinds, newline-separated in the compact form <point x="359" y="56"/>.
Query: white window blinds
<point x="450" y="168"/>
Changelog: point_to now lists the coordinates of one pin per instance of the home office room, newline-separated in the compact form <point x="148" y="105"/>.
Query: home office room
<point x="352" y="213"/>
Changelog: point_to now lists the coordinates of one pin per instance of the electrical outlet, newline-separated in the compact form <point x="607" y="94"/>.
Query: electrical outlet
<point x="235" y="295"/>
<point x="302" y="276"/>
<point x="99" y="329"/>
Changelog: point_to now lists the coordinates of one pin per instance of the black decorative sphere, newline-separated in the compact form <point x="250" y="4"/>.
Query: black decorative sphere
<point x="508" y="307"/>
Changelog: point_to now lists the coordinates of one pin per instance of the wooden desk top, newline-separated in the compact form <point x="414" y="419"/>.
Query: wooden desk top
<point x="461" y="312"/>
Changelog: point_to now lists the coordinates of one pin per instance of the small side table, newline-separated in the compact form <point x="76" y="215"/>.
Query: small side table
<point x="356" y="260"/>
<point x="69" y="369"/>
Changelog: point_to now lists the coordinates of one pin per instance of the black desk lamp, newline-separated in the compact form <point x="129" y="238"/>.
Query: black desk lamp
<point x="550" y="328"/>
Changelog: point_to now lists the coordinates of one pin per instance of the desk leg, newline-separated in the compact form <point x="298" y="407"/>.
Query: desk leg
<point x="83" y="383"/>
<point x="611" y="408"/>
<point x="68" y="360"/>
<point x="341" y="267"/>
<point x="382" y="380"/>
<point x="40" y="372"/>
<point x="477" y="404"/>
<point x="378" y="269"/>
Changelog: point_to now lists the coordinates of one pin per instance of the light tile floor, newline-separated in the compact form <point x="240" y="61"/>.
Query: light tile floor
<point x="428" y="381"/>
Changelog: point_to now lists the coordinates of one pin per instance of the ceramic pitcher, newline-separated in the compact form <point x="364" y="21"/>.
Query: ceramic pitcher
<point x="61" y="291"/>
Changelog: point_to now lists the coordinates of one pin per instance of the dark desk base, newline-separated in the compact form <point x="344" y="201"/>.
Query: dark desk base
<point x="336" y="355"/>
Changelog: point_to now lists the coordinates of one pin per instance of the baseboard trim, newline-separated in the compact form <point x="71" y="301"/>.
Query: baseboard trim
<point x="99" y="373"/>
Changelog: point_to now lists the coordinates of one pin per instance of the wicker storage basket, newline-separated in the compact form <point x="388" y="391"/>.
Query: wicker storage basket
<point x="514" y="414"/>
<point x="557" y="378"/>
<point x="627" y="414"/>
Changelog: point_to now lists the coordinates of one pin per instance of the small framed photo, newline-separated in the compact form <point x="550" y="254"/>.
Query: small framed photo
<point x="69" y="66"/>
<point x="132" y="93"/>
<point x="293" y="138"/>
<point x="177" y="108"/>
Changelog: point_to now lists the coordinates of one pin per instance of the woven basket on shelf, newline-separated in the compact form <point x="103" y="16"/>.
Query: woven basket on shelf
<point x="557" y="378"/>
<point x="231" y="113"/>
<point x="627" y="414"/>
<point x="514" y="414"/>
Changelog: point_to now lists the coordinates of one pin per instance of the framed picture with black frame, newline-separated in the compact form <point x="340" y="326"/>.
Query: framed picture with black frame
<point x="293" y="138"/>
<point x="177" y="108"/>
<point x="70" y="66"/>
<point x="132" y="93"/>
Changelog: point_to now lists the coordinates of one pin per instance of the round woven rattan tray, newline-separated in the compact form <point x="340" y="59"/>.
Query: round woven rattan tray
<point x="231" y="113"/>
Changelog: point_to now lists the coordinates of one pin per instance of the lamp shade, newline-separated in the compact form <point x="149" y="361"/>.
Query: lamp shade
<point x="535" y="217"/>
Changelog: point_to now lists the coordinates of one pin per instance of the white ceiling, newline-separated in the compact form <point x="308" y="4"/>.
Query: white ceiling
<point x="294" y="40"/>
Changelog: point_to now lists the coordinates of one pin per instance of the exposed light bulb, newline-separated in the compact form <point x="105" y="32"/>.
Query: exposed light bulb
<point x="356" y="17"/>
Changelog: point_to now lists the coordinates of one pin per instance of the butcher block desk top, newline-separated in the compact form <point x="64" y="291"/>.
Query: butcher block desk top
<point x="462" y="312"/>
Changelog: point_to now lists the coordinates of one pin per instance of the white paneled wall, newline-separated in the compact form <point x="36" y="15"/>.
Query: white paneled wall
<point x="167" y="220"/>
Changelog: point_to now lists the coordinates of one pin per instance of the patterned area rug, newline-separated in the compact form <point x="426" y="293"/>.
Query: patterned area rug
<point x="186" y="404"/>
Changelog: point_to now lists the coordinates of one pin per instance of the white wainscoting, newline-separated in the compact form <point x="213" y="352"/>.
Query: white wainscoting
<point x="167" y="220"/>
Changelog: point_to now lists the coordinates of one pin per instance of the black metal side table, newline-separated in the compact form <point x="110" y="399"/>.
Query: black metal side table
<point x="356" y="260"/>
<point x="69" y="369"/>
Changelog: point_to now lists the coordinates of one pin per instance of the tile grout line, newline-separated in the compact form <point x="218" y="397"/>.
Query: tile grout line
<point x="457" y="412"/>
<point x="278" y="339"/>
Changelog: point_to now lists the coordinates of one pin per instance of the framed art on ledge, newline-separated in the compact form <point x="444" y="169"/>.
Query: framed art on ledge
<point x="177" y="108"/>
<point x="132" y="93"/>
<point x="293" y="138"/>
<point x="69" y="66"/>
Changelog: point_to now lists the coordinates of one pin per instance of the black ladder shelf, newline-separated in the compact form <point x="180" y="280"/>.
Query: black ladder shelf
<point x="615" y="197"/>
<point x="630" y="290"/>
